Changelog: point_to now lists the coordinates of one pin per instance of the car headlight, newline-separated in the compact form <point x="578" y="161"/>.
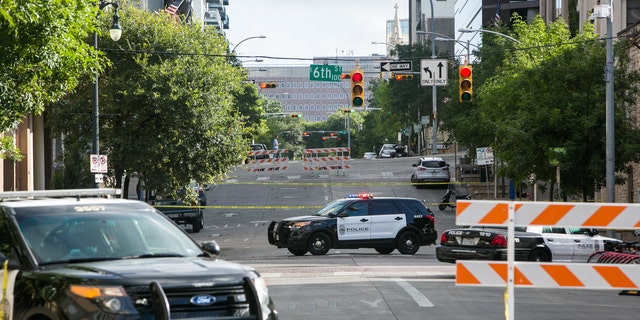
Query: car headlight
<point x="263" y="295"/>
<point x="299" y="225"/>
<point x="113" y="299"/>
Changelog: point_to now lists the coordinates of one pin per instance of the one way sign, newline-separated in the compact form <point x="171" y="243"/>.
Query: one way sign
<point x="433" y="72"/>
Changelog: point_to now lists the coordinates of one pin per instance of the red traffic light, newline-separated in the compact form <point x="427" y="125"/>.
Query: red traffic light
<point x="400" y="77"/>
<point x="267" y="85"/>
<point x="357" y="76"/>
<point x="465" y="82"/>
<point x="465" y="71"/>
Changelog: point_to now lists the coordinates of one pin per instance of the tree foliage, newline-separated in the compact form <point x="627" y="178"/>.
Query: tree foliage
<point x="43" y="54"/>
<point x="168" y="104"/>
<point x="548" y="94"/>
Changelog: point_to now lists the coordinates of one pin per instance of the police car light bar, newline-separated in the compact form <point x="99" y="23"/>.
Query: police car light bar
<point x="361" y="196"/>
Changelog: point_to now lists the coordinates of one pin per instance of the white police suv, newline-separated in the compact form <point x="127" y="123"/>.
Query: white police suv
<point x="358" y="221"/>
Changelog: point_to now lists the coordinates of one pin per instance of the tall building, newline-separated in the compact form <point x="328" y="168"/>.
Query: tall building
<point x="314" y="100"/>
<point x="429" y="19"/>
<point x="480" y="14"/>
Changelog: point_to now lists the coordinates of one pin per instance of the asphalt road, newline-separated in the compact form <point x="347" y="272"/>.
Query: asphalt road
<point x="362" y="284"/>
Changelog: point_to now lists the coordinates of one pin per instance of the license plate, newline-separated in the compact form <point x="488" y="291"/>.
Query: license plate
<point x="469" y="241"/>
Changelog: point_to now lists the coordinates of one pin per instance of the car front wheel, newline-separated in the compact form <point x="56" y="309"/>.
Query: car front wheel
<point x="319" y="244"/>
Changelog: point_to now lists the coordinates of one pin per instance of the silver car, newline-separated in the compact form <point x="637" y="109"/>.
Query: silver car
<point x="388" y="150"/>
<point x="430" y="169"/>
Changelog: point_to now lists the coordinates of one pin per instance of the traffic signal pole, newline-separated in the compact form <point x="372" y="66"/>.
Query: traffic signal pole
<point x="434" y="142"/>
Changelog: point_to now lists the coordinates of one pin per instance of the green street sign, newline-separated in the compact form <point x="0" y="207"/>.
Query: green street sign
<point x="325" y="72"/>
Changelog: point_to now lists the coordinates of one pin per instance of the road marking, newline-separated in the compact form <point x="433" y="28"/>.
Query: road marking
<point x="418" y="297"/>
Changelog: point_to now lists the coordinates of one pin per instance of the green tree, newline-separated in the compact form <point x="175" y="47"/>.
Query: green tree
<point x="42" y="56"/>
<point x="548" y="93"/>
<point x="168" y="104"/>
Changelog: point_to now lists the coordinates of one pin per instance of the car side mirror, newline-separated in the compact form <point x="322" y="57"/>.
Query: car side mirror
<point x="211" y="248"/>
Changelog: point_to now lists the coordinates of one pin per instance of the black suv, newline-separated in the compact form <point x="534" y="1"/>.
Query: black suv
<point x="71" y="257"/>
<point x="359" y="221"/>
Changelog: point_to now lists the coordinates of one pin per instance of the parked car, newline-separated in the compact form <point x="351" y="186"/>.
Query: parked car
<point x="573" y="244"/>
<point x="490" y="243"/>
<point x="258" y="152"/>
<point x="358" y="221"/>
<point x="388" y="150"/>
<point x="430" y="169"/>
<point x="71" y="254"/>
<point x="180" y="212"/>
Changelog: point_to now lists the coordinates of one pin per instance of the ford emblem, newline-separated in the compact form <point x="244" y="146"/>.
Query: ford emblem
<point x="202" y="301"/>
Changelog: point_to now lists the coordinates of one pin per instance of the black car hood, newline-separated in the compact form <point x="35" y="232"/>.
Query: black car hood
<point x="133" y="270"/>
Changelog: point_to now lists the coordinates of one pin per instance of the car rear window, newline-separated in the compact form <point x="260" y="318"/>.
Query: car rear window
<point x="434" y="164"/>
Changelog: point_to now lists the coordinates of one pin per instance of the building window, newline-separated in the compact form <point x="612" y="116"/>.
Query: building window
<point x="306" y="84"/>
<point x="295" y="85"/>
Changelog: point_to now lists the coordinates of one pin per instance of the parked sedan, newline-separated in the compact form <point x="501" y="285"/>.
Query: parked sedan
<point x="490" y="243"/>
<point x="573" y="244"/>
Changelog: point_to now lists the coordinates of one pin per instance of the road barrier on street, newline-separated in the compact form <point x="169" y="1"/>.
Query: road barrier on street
<point x="545" y="275"/>
<point x="275" y="161"/>
<point x="326" y="159"/>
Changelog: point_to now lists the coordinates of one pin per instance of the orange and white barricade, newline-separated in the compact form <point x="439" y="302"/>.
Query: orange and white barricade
<point x="275" y="162"/>
<point x="320" y="159"/>
<point x="546" y="275"/>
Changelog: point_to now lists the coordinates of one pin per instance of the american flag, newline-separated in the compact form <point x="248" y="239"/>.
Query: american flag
<point x="496" y="19"/>
<point x="173" y="8"/>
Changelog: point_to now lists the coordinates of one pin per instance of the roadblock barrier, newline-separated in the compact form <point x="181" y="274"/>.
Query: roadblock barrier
<point x="320" y="159"/>
<point x="546" y="275"/>
<point x="575" y="214"/>
<point x="549" y="275"/>
<point x="275" y="161"/>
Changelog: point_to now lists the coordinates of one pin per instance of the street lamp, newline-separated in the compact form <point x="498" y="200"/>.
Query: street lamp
<point x="115" y="32"/>
<point x="388" y="48"/>
<point x="245" y="39"/>
<point x="467" y="30"/>
<point x="465" y="44"/>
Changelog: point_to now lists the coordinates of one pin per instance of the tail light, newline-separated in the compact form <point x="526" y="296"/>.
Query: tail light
<point x="498" y="240"/>
<point x="431" y="219"/>
<point x="443" y="237"/>
<point x="422" y="169"/>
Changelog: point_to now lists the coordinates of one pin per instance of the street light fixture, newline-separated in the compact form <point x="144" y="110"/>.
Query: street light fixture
<point x="245" y="39"/>
<point x="467" y="30"/>
<point x="465" y="44"/>
<point x="115" y="32"/>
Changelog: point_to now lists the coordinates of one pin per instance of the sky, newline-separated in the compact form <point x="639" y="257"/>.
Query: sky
<point x="309" y="28"/>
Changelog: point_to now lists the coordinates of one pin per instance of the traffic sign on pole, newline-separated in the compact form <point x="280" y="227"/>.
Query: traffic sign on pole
<point x="388" y="66"/>
<point x="325" y="72"/>
<point x="433" y="72"/>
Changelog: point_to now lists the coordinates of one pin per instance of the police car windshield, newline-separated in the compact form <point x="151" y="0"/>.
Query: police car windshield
<point x="332" y="208"/>
<point x="60" y="237"/>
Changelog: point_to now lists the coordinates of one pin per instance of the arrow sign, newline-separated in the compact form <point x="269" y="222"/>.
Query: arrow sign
<point x="387" y="66"/>
<point x="433" y="72"/>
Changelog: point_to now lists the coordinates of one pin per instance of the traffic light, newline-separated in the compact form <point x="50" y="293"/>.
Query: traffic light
<point x="295" y="115"/>
<point x="357" y="88"/>
<point x="267" y="85"/>
<point x="305" y="134"/>
<point x="347" y="110"/>
<point x="466" y="83"/>
<point x="400" y="77"/>
<point x="345" y="76"/>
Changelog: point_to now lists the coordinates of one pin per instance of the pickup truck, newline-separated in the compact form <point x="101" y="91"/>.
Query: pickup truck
<point x="180" y="212"/>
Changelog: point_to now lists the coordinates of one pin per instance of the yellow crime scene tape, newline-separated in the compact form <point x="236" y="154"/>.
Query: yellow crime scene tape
<point x="321" y="184"/>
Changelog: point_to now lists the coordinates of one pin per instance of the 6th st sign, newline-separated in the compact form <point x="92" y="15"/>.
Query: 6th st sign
<point x="433" y="72"/>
